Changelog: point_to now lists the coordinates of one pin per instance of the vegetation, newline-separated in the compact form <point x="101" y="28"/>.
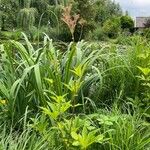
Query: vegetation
<point x="126" y="22"/>
<point x="75" y="95"/>
<point x="112" y="27"/>
<point x="39" y="16"/>
<point x="82" y="95"/>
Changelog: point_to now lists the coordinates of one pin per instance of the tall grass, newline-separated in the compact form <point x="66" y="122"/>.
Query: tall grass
<point x="59" y="94"/>
<point x="29" y="77"/>
<point x="119" y="72"/>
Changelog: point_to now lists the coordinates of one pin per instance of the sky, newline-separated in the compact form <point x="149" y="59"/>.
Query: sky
<point x="136" y="7"/>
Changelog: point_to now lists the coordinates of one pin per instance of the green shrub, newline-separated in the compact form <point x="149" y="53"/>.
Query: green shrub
<point x="126" y="132"/>
<point x="36" y="34"/>
<point x="70" y="91"/>
<point x="97" y="35"/>
<point x="67" y="72"/>
<point x="111" y="27"/>
<point x="15" y="35"/>
<point x="126" y="22"/>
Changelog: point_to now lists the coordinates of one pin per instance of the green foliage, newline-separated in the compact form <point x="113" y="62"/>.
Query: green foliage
<point x="27" y="14"/>
<point x="95" y="14"/>
<point x="86" y="138"/>
<point x="26" y="18"/>
<point x="146" y="33"/>
<point x="111" y="27"/>
<point x="86" y="96"/>
<point x="126" y="22"/>
<point x="105" y="9"/>
<point x="144" y="78"/>
<point x="27" y="73"/>
<point x="24" y="141"/>
<point x="57" y="108"/>
<point x="90" y="96"/>
<point x="130" y="130"/>
<point x="85" y="9"/>
<point x="5" y="35"/>
<point x="7" y="15"/>
<point x="97" y="35"/>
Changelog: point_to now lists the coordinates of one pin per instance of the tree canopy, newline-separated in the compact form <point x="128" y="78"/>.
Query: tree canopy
<point x="29" y="11"/>
<point x="27" y="15"/>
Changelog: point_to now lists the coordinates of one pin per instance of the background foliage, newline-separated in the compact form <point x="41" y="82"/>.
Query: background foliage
<point x="62" y="95"/>
<point x="43" y="14"/>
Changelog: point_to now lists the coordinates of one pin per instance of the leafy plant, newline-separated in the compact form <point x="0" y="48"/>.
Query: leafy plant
<point x="86" y="138"/>
<point x="111" y="29"/>
<point x="75" y="94"/>
<point x="57" y="108"/>
<point x="126" y="22"/>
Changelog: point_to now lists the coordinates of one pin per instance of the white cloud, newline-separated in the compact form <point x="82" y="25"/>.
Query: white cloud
<point x="136" y="7"/>
<point x="141" y="3"/>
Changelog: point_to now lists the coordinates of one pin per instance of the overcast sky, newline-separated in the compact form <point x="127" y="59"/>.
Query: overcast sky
<point x="136" y="7"/>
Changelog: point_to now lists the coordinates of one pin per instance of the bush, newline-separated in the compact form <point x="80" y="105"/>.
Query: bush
<point x="15" y="35"/>
<point x="62" y="88"/>
<point x="64" y="34"/>
<point x="126" y="22"/>
<point x="34" y="33"/>
<point x="130" y="40"/>
<point x="98" y="35"/>
<point x="81" y="32"/>
<point x="111" y="27"/>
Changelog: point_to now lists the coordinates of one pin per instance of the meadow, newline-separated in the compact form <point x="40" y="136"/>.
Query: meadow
<point x="86" y="96"/>
<point x="74" y="75"/>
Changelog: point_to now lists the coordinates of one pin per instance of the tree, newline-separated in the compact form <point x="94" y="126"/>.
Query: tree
<point x="87" y="12"/>
<point x="26" y="17"/>
<point x="111" y="27"/>
<point x="105" y="9"/>
<point x="26" y="14"/>
<point x="126" y="22"/>
<point x="85" y="9"/>
<point x="7" y="14"/>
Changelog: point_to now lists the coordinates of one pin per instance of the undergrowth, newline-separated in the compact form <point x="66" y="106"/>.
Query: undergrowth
<point x="90" y="96"/>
